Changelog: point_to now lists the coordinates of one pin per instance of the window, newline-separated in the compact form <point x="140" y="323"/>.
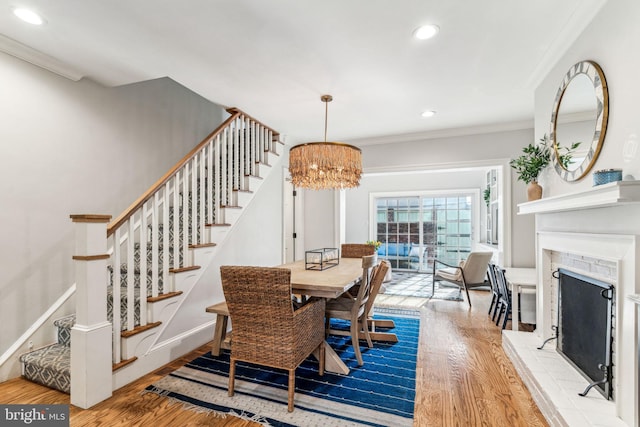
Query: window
<point x="416" y="229"/>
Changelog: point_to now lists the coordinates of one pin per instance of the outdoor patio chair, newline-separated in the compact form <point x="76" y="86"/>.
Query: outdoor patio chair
<point x="470" y="273"/>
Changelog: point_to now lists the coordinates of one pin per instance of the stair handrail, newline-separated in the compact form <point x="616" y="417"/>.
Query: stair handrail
<point x="127" y="213"/>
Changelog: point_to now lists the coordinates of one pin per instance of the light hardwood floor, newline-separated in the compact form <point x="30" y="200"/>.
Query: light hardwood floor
<point x="463" y="379"/>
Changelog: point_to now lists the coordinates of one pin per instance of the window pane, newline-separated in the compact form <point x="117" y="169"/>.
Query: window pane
<point x="465" y="228"/>
<point x="419" y="229"/>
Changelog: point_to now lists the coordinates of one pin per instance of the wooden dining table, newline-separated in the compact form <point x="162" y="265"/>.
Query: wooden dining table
<point x="329" y="283"/>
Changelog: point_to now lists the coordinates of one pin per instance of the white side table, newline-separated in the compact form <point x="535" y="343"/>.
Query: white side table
<point x="519" y="280"/>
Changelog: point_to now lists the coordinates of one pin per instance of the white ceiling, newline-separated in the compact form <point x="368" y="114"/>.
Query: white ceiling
<point x="274" y="58"/>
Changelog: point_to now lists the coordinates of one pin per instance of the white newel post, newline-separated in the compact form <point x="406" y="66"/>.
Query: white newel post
<point x="91" y="337"/>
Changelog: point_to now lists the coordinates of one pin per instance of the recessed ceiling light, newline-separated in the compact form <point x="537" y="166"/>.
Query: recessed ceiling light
<point x="428" y="113"/>
<point x="28" y="16"/>
<point x="426" y="31"/>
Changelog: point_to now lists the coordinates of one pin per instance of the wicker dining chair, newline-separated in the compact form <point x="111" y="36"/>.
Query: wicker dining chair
<point x="356" y="250"/>
<point x="267" y="330"/>
<point x="354" y="309"/>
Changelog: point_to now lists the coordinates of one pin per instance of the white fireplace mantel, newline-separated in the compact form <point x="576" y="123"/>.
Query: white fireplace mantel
<point x="611" y="194"/>
<point x="594" y="230"/>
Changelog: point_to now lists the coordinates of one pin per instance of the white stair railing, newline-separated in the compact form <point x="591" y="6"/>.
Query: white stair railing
<point x="150" y="241"/>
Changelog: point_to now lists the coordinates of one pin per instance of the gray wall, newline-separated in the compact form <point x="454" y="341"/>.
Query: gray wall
<point x="76" y="147"/>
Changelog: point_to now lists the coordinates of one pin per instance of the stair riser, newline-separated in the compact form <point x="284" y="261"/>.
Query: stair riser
<point x="203" y="255"/>
<point x="45" y="376"/>
<point x="242" y="198"/>
<point x="49" y="366"/>
<point x="218" y="234"/>
<point x="137" y="344"/>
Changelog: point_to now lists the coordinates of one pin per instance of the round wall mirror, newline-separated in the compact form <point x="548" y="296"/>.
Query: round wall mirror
<point x="579" y="120"/>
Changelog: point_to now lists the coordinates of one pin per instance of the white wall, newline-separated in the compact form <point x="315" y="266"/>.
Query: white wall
<point x="436" y="153"/>
<point x="320" y="219"/>
<point x="76" y="147"/>
<point x="610" y="40"/>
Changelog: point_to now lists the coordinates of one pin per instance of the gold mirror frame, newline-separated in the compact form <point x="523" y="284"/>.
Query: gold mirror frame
<point x="596" y="76"/>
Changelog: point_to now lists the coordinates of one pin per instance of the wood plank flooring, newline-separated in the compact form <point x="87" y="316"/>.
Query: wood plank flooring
<point x="463" y="379"/>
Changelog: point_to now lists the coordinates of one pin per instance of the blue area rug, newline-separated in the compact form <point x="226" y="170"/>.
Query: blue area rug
<point x="379" y="393"/>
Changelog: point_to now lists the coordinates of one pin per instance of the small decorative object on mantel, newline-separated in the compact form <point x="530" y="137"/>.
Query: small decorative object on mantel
<point x="535" y="158"/>
<point x="606" y="176"/>
<point x="321" y="259"/>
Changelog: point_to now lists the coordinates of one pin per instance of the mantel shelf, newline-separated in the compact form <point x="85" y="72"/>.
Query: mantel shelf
<point x="611" y="194"/>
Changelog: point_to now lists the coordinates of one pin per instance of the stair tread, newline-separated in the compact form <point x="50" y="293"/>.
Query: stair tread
<point x="55" y="356"/>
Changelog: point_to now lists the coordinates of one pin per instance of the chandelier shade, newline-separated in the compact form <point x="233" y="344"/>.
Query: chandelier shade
<point x="325" y="165"/>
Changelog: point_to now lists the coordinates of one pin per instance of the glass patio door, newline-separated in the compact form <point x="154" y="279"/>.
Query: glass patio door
<point x="415" y="230"/>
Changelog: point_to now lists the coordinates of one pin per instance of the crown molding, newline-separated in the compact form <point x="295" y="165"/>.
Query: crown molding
<point x="444" y="133"/>
<point x="35" y="57"/>
<point x="573" y="28"/>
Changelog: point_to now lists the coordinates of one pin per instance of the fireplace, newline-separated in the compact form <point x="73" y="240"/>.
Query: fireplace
<point x="585" y="307"/>
<point x="595" y="233"/>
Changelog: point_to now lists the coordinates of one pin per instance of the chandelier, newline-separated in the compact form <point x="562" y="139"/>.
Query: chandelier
<point x="325" y="165"/>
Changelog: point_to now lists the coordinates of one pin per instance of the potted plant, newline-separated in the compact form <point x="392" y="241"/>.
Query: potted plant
<point x="534" y="159"/>
<point x="486" y="195"/>
<point x="529" y="165"/>
<point x="375" y="243"/>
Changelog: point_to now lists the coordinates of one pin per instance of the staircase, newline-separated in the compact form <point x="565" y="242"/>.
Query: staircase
<point x="157" y="248"/>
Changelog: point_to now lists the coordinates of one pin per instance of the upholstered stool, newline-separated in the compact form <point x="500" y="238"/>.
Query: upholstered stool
<point x="220" y="337"/>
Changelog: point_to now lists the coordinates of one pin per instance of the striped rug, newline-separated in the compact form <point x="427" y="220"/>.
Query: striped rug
<point x="379" y="393"/>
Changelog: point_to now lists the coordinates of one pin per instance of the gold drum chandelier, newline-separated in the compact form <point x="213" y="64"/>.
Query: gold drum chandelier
<point x="325" y="165"/>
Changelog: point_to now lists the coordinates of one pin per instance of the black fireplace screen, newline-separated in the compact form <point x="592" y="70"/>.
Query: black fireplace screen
<point x="584" y="331"/>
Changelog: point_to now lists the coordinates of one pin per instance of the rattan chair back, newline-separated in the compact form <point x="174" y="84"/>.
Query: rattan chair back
<point x="356" y="250"/>
<point x="266" y="328"/>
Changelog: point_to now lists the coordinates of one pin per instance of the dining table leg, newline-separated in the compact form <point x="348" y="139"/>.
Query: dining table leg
<point x="332" y="361"/>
